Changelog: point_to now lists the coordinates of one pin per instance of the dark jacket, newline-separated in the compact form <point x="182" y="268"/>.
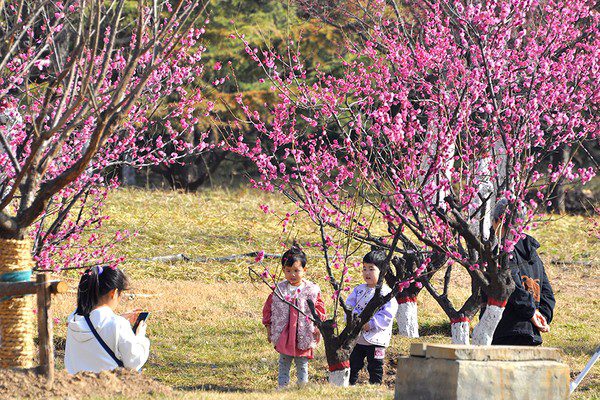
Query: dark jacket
<point x="532" y="291"/>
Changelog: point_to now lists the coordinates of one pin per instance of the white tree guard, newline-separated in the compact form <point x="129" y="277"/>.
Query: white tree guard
<point x="460" y="332"/>
<point x="485" y="190"/>
<point x="407" y="318"/>
<point x="443" y="178"/>
<point x="483" y="333"/>
<point x="487" y="187"/>
<point x="340" y="377"/>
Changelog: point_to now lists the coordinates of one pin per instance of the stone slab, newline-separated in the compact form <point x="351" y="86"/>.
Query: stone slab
<point x="418" y="349"/>
<point x="491" y="353"/>
<point x="432" y="378"/>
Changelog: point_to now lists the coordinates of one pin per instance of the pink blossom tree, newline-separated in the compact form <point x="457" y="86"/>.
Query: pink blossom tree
<point x="444" y="107"/>
<point x="80" y="90"/>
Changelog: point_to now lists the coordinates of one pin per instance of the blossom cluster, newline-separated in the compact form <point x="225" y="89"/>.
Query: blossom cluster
<point x="437" y="115"/>
<point x="71" y="119"/>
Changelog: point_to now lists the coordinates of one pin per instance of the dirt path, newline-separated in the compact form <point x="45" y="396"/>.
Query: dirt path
<point x="121" y="382"/>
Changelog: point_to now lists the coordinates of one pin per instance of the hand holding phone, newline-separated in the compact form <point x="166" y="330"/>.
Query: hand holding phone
<point x="141" y="317"/>
<point x="131" y="316"/>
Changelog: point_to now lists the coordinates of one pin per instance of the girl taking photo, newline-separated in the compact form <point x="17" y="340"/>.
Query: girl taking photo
<point x="97" y="338"/>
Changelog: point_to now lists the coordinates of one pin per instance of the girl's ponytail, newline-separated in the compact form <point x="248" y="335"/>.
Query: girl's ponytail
<point x="88" y="291"/>
<point x="295" y="253"/>
<point x="96" y="282"/>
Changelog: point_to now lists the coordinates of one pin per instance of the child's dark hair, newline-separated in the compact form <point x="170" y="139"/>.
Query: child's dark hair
<point x="376" y="257"/>
<point x="292" y="255"/>
<point x="95" y="283"/>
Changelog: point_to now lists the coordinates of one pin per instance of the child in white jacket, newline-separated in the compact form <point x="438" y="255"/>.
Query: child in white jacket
<point x="376" y="334"/>
<point x="116" y="344"/>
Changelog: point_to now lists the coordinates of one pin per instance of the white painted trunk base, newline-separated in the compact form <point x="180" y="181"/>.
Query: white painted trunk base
<point x="340" y="377"/>
<point x="460" y="332"/>
<point x="483" y="333"/>
<point x="407" y="318"/>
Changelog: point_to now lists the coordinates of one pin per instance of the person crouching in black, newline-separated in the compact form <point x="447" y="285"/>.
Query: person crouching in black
<point x="530" y="307"/>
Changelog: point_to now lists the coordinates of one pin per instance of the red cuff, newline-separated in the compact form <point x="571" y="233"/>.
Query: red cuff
<point x="407" y="299"/>
<point x="457" y="320"/>
<point x="340" y="366"/>
<point x="497" y="303"/>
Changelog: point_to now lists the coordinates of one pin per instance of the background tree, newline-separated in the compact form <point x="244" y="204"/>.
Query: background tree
<point x="446" y="108"/>
<point x="273" y="24"/>
<point x="77" y="91"/>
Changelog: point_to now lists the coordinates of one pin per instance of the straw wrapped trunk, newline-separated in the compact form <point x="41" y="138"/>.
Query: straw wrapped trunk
<point x="16" y="313"/>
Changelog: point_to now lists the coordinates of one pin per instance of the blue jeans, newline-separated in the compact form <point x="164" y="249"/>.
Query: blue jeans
<point x="285" y="363"/>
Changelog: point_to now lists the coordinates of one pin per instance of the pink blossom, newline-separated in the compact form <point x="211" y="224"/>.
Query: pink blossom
<point x="76" y="205"/>
<point x="259" y="256"/>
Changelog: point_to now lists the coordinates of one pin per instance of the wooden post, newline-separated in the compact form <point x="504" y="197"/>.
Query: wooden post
<point x="45" y="328"/>
<point x="44" y="288"/>
<point x="23" y="288"/>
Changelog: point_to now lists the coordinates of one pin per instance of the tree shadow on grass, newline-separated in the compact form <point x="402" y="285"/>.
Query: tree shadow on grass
<point x="208" y="368"/>
<point x="584" y="349"/>
<point x="213" y="388"/>
<point x="436" y="328"/>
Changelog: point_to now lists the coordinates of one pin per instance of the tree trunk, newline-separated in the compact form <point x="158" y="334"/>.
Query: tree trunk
<point x="340" y="377"/>
<point x="128" y="173"/>
<point x="194" y="172"/>
<point x="338" y="360"/>
<point x="16" y="313"/>
<point x="460" y="330"/>
<point x="500" y="287"/>
<point x="483" y="333"/>
<point x="407" y="317"/>
<point x="337" y="352"/>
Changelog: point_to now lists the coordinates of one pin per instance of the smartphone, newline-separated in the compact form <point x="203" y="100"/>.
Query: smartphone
<point x="141" y="317"/>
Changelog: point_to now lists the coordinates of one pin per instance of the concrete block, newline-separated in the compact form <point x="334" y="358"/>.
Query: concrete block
<point x="418" y="349"/>
<point x="459" y="378"/>
<point x="491" y="353"/>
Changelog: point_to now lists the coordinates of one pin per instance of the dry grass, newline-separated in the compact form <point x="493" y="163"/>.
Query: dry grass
<point x="207" y="339"/>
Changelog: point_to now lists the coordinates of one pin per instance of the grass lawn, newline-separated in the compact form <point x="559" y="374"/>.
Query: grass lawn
<point x="205" y="323"/>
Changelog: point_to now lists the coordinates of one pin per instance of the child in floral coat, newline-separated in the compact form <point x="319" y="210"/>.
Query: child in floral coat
<point x="292" y="333"/>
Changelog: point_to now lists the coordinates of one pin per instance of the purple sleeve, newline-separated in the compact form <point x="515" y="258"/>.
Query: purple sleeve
<point x="351" y="300"/>
<point x="384" y="317"/>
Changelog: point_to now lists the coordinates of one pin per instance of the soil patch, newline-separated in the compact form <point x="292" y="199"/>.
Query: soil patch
<point x="120" y="382"/>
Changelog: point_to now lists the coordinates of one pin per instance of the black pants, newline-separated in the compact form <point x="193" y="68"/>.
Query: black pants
<point x="357" y="362"/>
